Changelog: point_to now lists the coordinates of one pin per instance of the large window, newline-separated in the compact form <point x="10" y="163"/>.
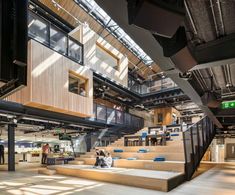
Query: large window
<point x="58" y="40"/>
<point x="38" y="28"/>
<point x="78" y="84"/>
<point x="106" y="56"/>
<point x="75" y="50"/>
<point x="92" y="8"/>
<point x="50" y="35"/>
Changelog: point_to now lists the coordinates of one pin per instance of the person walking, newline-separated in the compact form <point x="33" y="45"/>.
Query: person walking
<point x="45" y="151"/>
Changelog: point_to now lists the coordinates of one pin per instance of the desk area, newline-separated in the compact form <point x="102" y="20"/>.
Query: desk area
<point x="148" y="140"/>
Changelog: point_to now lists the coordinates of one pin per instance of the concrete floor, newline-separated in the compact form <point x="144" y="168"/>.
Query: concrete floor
<point x="219" y="180"/>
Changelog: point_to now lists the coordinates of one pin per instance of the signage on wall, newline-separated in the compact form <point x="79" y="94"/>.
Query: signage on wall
<point x="227" y="105"/>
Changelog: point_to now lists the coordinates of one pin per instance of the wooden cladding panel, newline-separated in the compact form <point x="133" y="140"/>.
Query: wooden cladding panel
<point x="166" y="116"/>
<point x="49" y="81"/>
<point x="79" y="13"/>
<point x="91" y="40"/>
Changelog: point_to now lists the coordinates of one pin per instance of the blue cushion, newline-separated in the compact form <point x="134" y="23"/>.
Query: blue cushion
<point x="143" y="150"/>
<point x="116" y="158"/>
<point x="159" y="158"/>
<point x="144" y="135"/>
<point x="131" y="158"/>
<point x="117" y="150"/>
<point x="174" y="134"/>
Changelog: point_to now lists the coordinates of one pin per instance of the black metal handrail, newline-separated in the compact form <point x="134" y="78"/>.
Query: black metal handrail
<point x="113" y="116"/>
<point x="197" y="139"/>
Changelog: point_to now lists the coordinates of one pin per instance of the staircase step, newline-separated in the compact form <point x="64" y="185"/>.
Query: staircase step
<point x="149" y="155"/>
<point x="88" y="155"/>
<point x="142" y="164"/>
<point x="76" y="162"/>
<point x="46" y="171"/>
<point x="161" y="149"/>
<point x="149" y="179"/>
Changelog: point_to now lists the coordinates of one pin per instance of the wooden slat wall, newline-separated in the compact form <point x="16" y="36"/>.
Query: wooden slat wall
<point x="166" y="113"/>
<point x="48" y="83"/>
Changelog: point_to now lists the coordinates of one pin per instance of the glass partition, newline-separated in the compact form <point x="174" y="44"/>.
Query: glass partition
<point x="150" y="86"/>
<point x="38" y="28"/>
<point x="120" y="117"/>
<point x="58" y="40"/>
<point x="111" y="116"/>
<point x="101" y="112"/>
<point x="53" y="37"/>
<point x="107" y="115"/>
<point x="74" y="50"/>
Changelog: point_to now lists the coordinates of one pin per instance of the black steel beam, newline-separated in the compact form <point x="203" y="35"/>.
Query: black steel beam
<point x="225" y="112"/>
<point x="134" y="95"/>
<point x="19" y="109"/>
<point x="11" y="147"/>
<point x="116" y="87"/>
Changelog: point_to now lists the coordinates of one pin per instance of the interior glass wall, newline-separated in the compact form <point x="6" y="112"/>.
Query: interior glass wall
<point x="53" y="37"/>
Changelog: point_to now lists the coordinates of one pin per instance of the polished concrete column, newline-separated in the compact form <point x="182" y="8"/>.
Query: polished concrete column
<point x="11" y="147"/>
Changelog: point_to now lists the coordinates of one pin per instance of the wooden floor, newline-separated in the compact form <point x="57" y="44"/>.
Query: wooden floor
<point x="156" y="180"/>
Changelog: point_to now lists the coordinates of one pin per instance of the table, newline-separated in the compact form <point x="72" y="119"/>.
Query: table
<point x="137" y="138"/>
<point x="162" y="139"/>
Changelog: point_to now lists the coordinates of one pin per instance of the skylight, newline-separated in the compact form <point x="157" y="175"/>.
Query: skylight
<point x="106" y="21"/>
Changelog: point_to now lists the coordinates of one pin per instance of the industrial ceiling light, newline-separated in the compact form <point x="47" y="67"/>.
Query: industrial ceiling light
<point x="228" y="85"/>
<point x="185" y="75"/>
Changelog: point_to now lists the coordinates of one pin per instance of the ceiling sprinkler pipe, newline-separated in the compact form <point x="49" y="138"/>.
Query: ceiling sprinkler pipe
<point x="215" y="22"/>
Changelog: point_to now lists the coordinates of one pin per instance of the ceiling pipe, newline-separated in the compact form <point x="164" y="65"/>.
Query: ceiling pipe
<point x="228" y="95"/>
<point x="229" y="74"/>
<point x="190" y="17"/>
<point x="196" y="76"/>
<point x="213" y="14"/>
<point x="228" y="79"/>
<point x="214" y="78"/>
<point x="201" y="81"/>
<point x="221" y="17"/>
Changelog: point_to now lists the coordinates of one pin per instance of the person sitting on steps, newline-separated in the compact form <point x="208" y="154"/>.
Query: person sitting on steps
<point x="100" y="156"/>
<point x="108" y="160"/>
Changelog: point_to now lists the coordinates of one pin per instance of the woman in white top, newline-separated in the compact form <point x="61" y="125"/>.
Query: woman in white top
<point x="108" y="160"/>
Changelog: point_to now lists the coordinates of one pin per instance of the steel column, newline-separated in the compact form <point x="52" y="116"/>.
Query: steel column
<point x="11" y="147"/>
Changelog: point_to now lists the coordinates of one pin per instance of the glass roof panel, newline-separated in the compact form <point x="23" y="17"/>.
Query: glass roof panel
<point x="100" y="15"/>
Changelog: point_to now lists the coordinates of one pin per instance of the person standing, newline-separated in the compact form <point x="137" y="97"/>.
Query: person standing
<point x="2" y="160"/>
<point x="45" y="151"/>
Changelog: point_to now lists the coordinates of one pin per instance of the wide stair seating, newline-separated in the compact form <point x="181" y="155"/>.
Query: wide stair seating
<point x="153" y="167"/>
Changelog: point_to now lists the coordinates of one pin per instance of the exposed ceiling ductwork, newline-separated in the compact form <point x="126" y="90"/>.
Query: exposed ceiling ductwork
<point x="146" y="40"/>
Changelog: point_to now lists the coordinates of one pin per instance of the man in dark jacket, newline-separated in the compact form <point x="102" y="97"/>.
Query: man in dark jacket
<point x="2" y="160"/>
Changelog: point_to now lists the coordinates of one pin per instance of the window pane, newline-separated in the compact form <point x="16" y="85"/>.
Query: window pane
<point x="75" y="51"/>
<point x="58" y="40"/>
<point x="103" y="56"/>
<point x="111" y="117"/>
<point x="119" y="117"/>
<point x="77" y="85"/>
<point x="38" y="28"/>
<point x="101" y="112"/>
